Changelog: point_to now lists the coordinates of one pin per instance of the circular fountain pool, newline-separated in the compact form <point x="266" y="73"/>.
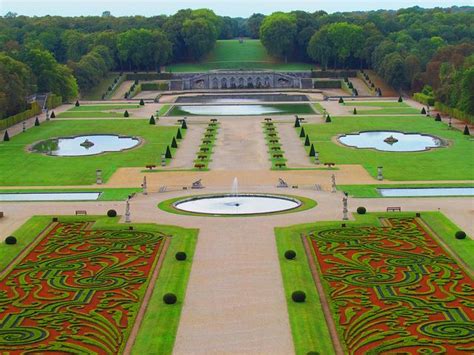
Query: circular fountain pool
<point x="391" y="141"/>
<point x="240" y="204"/>
<point x="85" y="145"/>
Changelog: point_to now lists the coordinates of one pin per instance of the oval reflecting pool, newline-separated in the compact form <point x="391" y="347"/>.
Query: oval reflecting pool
<point x="85" y="145"/>
<point x="241" y="204"/>
<point x="391" y="141"/>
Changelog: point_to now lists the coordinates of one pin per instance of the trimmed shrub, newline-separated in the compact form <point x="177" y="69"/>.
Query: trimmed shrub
<point x="174" y="144"/>
<point x="438" y="117"/>
<point x="11" y="240"/>
<point x="298" y="296"/>
<point x="53" y="115"/>
<point x="77" y="103"/>
<point x="423" y="111"/>
<point x="126" y="114"/>
<point x="152" y="120"/>
<point x="460" y="235"/>
<point x="37" y="122"/>
<point x="328" y="119"/>
<point x="312" y="151"/>
<point x="170" y="298"/>
<point x="168" y="153"/>
<point x="355" y="111"/>
<point x="302" y="133"/>
<point x="180" y="256"/>
<point x="6" y="137"/>
<point x="184" y="125"/>
<point x="307" y="143"/>
<point x="466" y="131"/>
<point x="400" y="99"/>
<point x="142" y="103"/>
<point x="297" y="122"/>
<point x="341" y="100"/>
<point x="290" y="254"/>
<point x="424" y="99"/>
<point x="361" y="210"/>
<point x="179" y="135"/>
<point x="111" y="213"/>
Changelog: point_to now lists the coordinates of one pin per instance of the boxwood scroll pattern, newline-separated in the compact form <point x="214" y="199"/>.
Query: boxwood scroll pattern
<point x="77" y="291"/>
<point x="394" y="289"/>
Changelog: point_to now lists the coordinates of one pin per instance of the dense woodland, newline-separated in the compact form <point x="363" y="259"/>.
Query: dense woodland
<point x="412" y="49"/>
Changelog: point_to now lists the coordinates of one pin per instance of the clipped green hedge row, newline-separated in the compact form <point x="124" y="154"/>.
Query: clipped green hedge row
<point x="155" y="86"/>
<point x="424" y="99"/>
<point x="334" y="74"/>
<point x="327" y="84"/>
<point x="148" y="76"/>
<point x="53" y="101"/>
<point x="454" y="112"/>
<point x="12" y="120"/>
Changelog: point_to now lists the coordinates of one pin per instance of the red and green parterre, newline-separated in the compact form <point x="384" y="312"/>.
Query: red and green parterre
<point x="78" y="290"/>
<point x="393" y="289"/>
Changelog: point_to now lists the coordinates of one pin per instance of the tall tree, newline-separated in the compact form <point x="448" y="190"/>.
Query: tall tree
<point x="278" y="33"/>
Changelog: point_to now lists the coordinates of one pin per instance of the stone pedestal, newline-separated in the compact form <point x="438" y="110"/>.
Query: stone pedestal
<point x="98" y="177"/>
<point x="144" y="186"/>
<point x="333" y="183"/>
<point x="127" y="212"/>
<point x="380" y="173"/>
<point x="345" y="211"/>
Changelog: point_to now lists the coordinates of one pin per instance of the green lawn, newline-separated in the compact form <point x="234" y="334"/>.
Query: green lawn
<point x="19" y="167"/>
<point x="157" y="332"/>
<point x="283" y="109"/>
<point x="449" y="163"/>
<point x="308" y="325"/>
<point x="383" y="108"/>
<point x="97" y="91"/>
<point x="230" y="54"/>
<point x="107" y="194"/>
<point x="368" y="191"/>
<point x="102" y="107"/>
<point x="98" y="111"/>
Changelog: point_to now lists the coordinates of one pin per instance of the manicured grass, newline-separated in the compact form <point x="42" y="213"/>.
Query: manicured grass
<point x="117" y="194"/>
<point x="267" y="130"/>
<point x="91" y="114"/>
<point x="384" y="108"/>
<point x="102" y="107"/>
<point x="162" y="111"/>
<point x="367" y="191"/>
<point x="307" y="321"/>
<point x="284" y="109"/>
<point x="211" y="142"/>
<point x="230" y="54"/>
<point x="318" y="108"/>
<point x="98" y="111"/>
<point x="448" y="163"/>
<point x="97" y="91"/>
<point x="19" y="167"/>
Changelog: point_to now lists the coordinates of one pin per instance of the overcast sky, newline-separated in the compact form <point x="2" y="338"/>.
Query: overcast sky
<point x="234" y="8"/>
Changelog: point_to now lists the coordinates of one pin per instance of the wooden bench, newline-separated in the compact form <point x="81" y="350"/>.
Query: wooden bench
<point x="2" y="214"/>
<point x="81" y="213"/>
<point x="394" y="209"/>
<point x="280" y="165"/>
<point x="150" y="167"/>
<point x="199" y="166"/>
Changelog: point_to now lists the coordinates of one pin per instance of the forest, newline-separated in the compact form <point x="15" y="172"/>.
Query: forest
<point x="430" y="51"/>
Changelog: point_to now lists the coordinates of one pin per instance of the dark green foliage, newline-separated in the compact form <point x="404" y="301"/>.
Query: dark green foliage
<point x="438" y="117"/>
<point x="302" y="133"/>
<point x="6" y="137"/>
<point x="355" y="111"/>
<point x="174" y="144"/>
<point x="10" y="240"/>
<point x="341" y="100"/>
<point x="423" y="111"/>
<point x="400" y="99"/>
<point x="180" y="256"/>
<point x="142" y="103"/>
<point x="77" y="103"/>
<point x="361" y="210"/>
<point x="168" y="153"/>
<point x="297" y="122"/>
<point x="460" y="235"/>
<point x="312" y="151"/>
<point x="466" y="131"/>
<point x="298" y="296"/>
<point x="152" y="120"/>
<point x="184" y="125"/>
<point x="126" y="114"/>
<point x="179" y="135"/>
<point x="37" y="122"/>
<point x="306" y="141"/>
<point x="170" y="298"/>
<point x="328" y="119"/>
<point x="111" y="213"/>
<point x="53" y="115"/>
<point x="290" y="254"/>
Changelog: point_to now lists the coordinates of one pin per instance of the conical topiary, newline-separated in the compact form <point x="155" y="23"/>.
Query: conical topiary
<point x="400" y="99"/>
<point x="438" y="117"/>
<point x="142" y="103"/>
<point x="152" y="120"/>
<point x="37" y="122"/>
<point x="168" y="153"/>
<point x="77" y="103"/>
<point x="306" y="141"/>
<point x="184" y="125"/>
<point x="302" y="133"/>
<point x="466" y="131"/>
<point x="341" y="100"/>
<point x="297" y="122"/>
<point x="328" y="119"/>
<point x="179" y="135"/>
<point x="126" y="114"/>
<point x="53" y="115"/>
<point x="174" y="144"/>
<point x="355" y="111"/>
<point x="423" y="111"/>
<point x="312" y="151"/>
<point x="6" y="137"/>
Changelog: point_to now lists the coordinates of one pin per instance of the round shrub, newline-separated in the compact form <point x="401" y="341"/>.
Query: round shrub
<point x="112" y="213"/>
<point x="298" y="296"/>
<point x="361" y="210"/>
<point x="170" y="298"/>
<point x="10" y="240"/>
<point x="290" y="254"/>
<point x="460" y="235"/>
<point x="180" y="255"/>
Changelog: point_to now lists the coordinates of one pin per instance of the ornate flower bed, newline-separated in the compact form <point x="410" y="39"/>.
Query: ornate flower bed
<point x="395" y="290"/>
<point x="77" y="290"/>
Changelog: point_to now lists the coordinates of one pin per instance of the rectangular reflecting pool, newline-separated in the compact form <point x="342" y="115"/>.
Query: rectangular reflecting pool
<point x="243" y="98"/>
<point x="240" y="110"/>
<point x="427" y="191"/>
<point x="50" y="196"/>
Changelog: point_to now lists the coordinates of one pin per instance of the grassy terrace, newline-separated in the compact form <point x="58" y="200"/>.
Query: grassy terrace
<point x="308" y="325"/>
<point x="230" y="54"/>
<point x="97" y="91"/>
<point x="369" y="191"/>
<point x="98" y="111"/>
<point x="114" y="194"/>
<point x="382" y="108"/>
<point x="449" y="163"/>
<point x="19" y="167"/>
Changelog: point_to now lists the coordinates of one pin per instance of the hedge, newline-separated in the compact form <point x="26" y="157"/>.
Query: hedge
<point x="148" y="76"/>
<point x="334" y="74"/>
<point x="53" y="101"/>
<point x="327" y="84"/>
<point x="454" y="112"/>
<point x="424" y="99"/>
<point x="155" y="86"/>
<point x="12" y="120"/>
